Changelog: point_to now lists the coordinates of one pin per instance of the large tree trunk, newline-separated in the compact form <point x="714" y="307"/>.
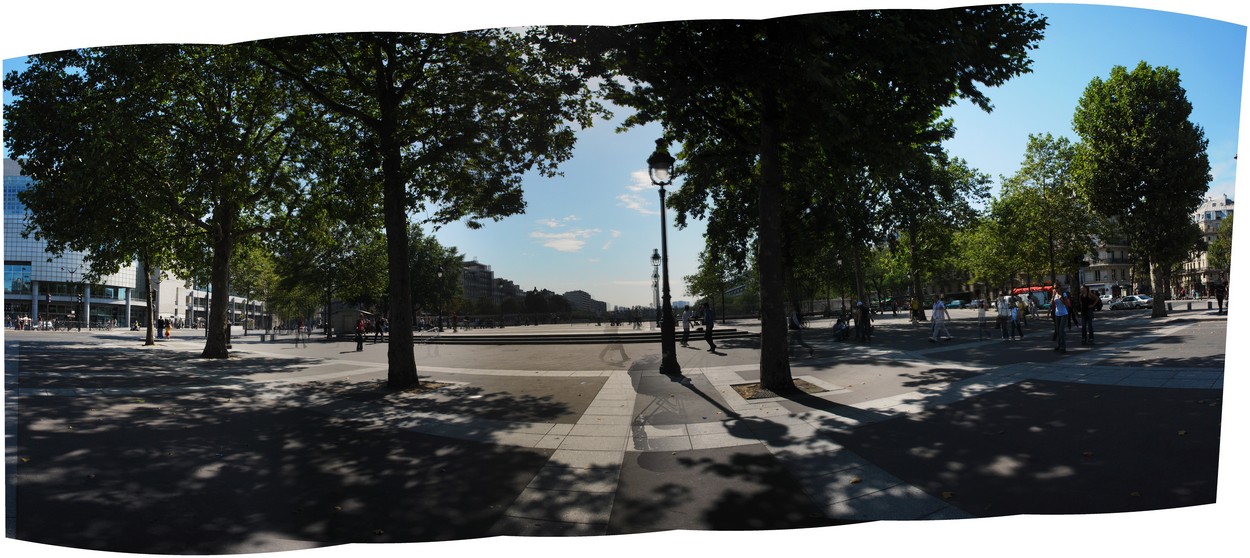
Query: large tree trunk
<point x="401" y="362"/>
<point x="219" y="307"/>
<point x="1158" y="305"/>
<point x="774" y="353"/>
<point x="150" y="338"/>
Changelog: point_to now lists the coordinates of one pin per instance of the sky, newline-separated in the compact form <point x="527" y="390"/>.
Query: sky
<point x="595" y="227"/>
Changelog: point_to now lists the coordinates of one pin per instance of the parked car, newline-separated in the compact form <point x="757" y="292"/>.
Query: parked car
<point x="1123" y="303"/>
<point x="1142" y="301"/>
<point x="1106" y="299"/>
<point x="955" y="304"/>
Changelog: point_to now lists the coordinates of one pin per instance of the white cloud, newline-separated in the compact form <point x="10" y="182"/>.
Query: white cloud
<point x="641" y="182"/>
<point x="615" y="235"/>
<point x="637" y="203"/>
<point x="636" y="200"/>
<point x="566" y="241"/>
<point x="550" y="223"/>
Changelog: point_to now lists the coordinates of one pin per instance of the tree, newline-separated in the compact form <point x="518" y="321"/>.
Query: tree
<point x="1143" y="161"/>
<point x="435" y="272"/>
<point x="1047" y="214"/>
<point x="446" y="123"/>
<point x="1220" y="252"/>
<point x="198" y="145"/>
<point x="738" y="94"/>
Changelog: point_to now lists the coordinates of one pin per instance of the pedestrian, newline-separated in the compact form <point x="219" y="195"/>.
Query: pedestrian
<point x="981" y="306"/>
<point x="1004" y="316"/>
<point x="940" y="315"/>
<point x="863" y="322"/>
<point x="685" y="326"/>
<point x="360" y="333"/>
<point x="1024" y="310"/>
<point x="1220" y="292"/>
<point x="915" y="310"/>
<point x="1015" y="322"/>
<point x="1087" y="305"/>
<point x="1061" y="312"/>
<point x="796" y="330"/>
<point x="709" y="317"/>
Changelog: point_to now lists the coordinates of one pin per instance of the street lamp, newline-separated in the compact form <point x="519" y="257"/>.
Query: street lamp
<point x="78" y="296"/>
<point x="660" y="166"/>
<point x="655" y="286"/>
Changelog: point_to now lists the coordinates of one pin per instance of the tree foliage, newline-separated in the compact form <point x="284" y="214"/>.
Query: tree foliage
<point x="1220" y="252"/>
<point x="189" y="148"/>
<point x="445" y="125"/>
<point x="745" y="97"/>
<point x="1143" y="162"/>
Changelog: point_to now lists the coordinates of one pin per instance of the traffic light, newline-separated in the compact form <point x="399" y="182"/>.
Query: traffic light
<point x="80" y="297"/>
<point x="47" y="297"/>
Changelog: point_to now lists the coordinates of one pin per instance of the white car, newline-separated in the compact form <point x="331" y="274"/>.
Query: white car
<point x="1140" y="301"/>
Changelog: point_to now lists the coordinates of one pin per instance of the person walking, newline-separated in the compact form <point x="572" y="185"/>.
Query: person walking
<point x="1016" y="312"/>
<point x="981" y="306"/>
<point x="1004" y="316"/>
<point x="360" y="333"/>
<point x="709" y="317"/>
<point x="1220" y="292"/>
<point x="863" y="321"/>
<point x="915" y="310"/>
<point x="940" y="315"/>
<point x="1087" y="305"/>
<point x="685" y="326"/>
<point x="1061" y="311"/>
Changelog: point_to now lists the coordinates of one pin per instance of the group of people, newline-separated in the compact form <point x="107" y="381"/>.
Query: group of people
<point x="709" y="318"/>
<point x="1013" y="311"/>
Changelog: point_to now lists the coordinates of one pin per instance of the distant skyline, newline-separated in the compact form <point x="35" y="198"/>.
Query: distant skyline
<point x="595" y="227"/>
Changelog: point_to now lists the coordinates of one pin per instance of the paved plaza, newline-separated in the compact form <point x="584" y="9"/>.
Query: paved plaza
<point x="288" y="445"/>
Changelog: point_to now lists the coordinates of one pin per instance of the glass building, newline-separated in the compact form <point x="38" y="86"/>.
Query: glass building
<point x="41" y="288"/>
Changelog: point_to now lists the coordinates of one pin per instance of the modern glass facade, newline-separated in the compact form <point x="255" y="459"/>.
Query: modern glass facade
<point x="41" y="287"/>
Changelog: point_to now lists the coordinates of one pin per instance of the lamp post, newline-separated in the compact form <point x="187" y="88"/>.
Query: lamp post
<point x="660" y="167"/>
<point x="78" y="297"/>
<point x="655" y="286"/>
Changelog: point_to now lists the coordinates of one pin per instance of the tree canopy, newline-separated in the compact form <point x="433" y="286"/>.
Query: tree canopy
<point x="741" y="96"/>
<point x="187" y="148"/>
<point x="1143" y="162"/>
<point x="444" y="125"/>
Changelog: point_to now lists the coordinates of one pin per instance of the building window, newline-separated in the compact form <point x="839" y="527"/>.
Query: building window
<point x="16" y="278"/>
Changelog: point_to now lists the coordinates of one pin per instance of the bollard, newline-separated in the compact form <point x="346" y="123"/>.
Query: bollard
<point x="1169" y="306"/>
<point x="1209" y="305"/>
<point x="1191" y="305"/>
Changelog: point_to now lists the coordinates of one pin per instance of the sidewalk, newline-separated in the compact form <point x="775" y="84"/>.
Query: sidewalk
<point x="281" y="447"/>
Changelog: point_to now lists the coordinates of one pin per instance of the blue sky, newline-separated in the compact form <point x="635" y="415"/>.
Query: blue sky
<point x="595" y="227"/>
